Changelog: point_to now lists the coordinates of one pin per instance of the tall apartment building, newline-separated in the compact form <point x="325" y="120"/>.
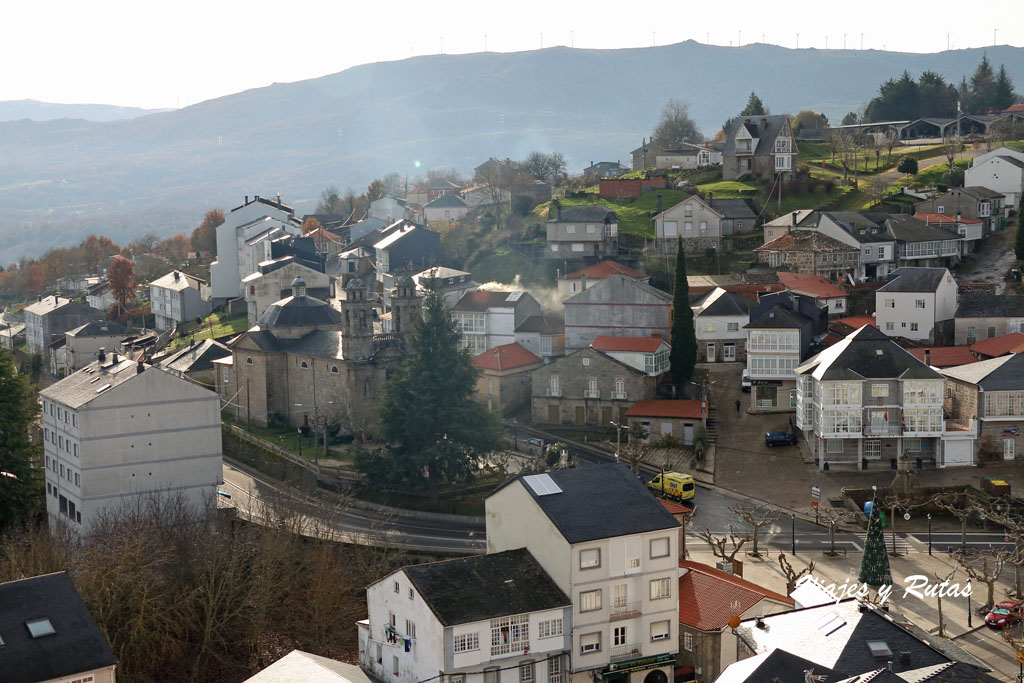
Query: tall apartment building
<point x="613" y="548"/>
<point x="117" y="429"/>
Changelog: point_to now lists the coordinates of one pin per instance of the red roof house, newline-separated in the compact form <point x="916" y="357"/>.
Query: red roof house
<point x="504" y="382"/>
<point x="627" y="344"/>
<point x="661" y="418"/>
<point x="999" y="346"/>
<point x="944" y="356"/>
<point x="576" y="281"/>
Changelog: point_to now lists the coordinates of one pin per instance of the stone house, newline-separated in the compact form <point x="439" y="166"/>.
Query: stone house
<point x="987" y="398"/>
<point x="718" y="319"/>
<point x="701" y="223"/>
<point x="52" y="316"/>
<point x="678" y="419"/>
<point x="759" y="147"/>
<point x="812" y="253"/>
<point x="617" y="306"/>
<point x="196" y="361"/>
<point x="275" y="280"/>
<point x="801" y="218"/>
<point x="866" y="232"/>
<point x="444" y="209"/>
<point x="708" y="598"/>
<point x="986" y="316"/>
<point x="971" y="202"/>
<point x="576" y="281"/>
<point x="504" y="383"/>
<point x="582" y="232"/>
<point x="592" y="387"/>
<point x="918" y="304"/>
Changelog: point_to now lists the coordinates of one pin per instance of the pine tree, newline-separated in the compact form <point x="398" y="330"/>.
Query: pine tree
<point x="1004" y="95"/>
<point x="20" y="483"/>
<point x="874" y="564"/>
<point x="755" y="107"/>
<point x="430" y="420"/>
<point x="983" y="87"/>
<point x="683" y="356"/>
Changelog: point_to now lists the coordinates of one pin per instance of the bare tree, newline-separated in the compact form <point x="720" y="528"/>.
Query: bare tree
<point x="986" y="572"/>
<point x="892" y="137"/>
<point x="958" y="506"/>
<point x="951" y="145"/>
<point x="844" y="150"/>
<point x="675" y="126"/>
<point x="756" y="516"/>
<point x="875" y="189"/>
<point x="792" y="575"/>
<point x="638" y="447"/>
<point x="725" y="547"/>
<point x="833" y="517"/>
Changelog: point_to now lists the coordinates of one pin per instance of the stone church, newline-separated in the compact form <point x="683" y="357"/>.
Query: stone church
<point x="306" y="362"/>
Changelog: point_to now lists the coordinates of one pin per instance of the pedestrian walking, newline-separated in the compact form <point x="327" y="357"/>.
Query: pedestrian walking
<point x="737" y="405"/>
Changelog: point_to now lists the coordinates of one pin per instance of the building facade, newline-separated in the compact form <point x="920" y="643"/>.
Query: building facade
<point x="241" y="238"/>
<point x="718" y="319"/>
<point x="761" y="147"/>
<point x="617" y="306"/>
<point x="987" y="399"/>
<point x="918" y="304"/>
<point x="582" y="232"/>
<point x="505" y="378"/>
<point x="487" y="319"/>
<point x="176" y="298"/>
<point x="51" y="317"/>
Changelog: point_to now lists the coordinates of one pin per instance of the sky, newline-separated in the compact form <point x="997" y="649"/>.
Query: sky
<point x="150" y="54"/>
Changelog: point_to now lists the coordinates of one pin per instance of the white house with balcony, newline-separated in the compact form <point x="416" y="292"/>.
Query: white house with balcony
<point x="718" y="319"/>
<point x="177" y="297"/>
<point x="865" y="399"/>
<point x="613" y="548"/>
<point x="918" y="304"/>
<point x="497" y="618"/>
<point x="487" y="319"/>
<point x="774" y="350"/>
<point x="986" y="400"/>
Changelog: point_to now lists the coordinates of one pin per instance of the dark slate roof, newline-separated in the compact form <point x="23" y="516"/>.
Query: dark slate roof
<point x="780" y="665"/>
<point x="486" y="587"/>
<point x="80" y="387"/>
<point x="990" y="305"/>
<point x="908" y="228"/>
<point x="1005" y="373"/>
<point x="855" y="221"/>
<point x="481" y="300"/>
<point x="982" y="192"/>
<point x="733" y="208"/>
<point x="100" y="328"/>
<point x="914" y="280"/>
<point x="298" y="311"/>
<point x="779" y="316"/>
<point x="447" y="201"/>
<point x="587" y="213"/>
<point x="77" y="646"/>
<point x="317" y="344"/>
<point x="543" y="324"/>
<point x="764" y="128"/>
<point x="729" y="304"/>
<point x="261" y="338"/>
<point x="196" y="357"/>
<point x="866" y="353"/>
<point x="603" y="501"/>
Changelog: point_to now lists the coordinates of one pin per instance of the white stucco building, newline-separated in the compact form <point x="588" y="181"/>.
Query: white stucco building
<point x="487" y="319"/>
<point x="116" y="430"/>
<point x="918" y="304"/>
<point x="613" y="548"/>
<point x="177" y="297"/>
<point x="243" y="242"/>
<point x="498" y="618"/>
<point x="1001" y="170"/>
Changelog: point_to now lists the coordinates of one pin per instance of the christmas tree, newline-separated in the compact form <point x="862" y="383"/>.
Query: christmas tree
<point x="874" y="565"/>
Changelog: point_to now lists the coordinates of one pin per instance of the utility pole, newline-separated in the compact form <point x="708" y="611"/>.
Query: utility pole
<point x="844" y="41"/>
<point x="994" y="32"/>
<point x="862" y="41"/>
<point x="572" y="38"/>
<point x="485" y="42"/>
<point x="798" y="41"/>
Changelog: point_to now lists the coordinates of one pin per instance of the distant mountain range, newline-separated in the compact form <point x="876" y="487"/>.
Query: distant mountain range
<point x="15" y="110"/>
<point x="62" y="179"/>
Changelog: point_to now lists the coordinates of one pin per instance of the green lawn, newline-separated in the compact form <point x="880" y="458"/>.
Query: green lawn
<point x="634" y="214"/>
<point x="216" y="325"/>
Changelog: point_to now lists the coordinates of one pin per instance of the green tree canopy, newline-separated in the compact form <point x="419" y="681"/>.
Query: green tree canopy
<point x="874" y="564"/>
<point x="850" y="119"/>
<point x="755" y="107"/>
<point x="1004" y="94"/>
<point x="20" y="484"/>
<point x="683" y="356"/>
<point x="434" y="428"/>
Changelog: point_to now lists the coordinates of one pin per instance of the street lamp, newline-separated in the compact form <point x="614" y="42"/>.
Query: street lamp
<point x="968" y="603"/>
<point x="792" y="530"/>
<point x="515" y="434"/>
<point x="618" y="439"/>
<point x="929" y="533"/>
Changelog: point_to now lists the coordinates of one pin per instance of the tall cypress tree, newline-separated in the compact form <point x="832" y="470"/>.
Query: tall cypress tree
<point x="684" y="339"/>
<point x="874" y="564"/>
<point x="21" y="485"/>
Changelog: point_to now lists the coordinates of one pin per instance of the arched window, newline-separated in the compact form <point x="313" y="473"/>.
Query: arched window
<point x="334" y="370"/>
<point x="304" y="365"/>
<point x="248" y="360"/>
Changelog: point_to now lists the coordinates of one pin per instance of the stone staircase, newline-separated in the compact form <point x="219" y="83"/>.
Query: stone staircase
<point x="712" y="426"/>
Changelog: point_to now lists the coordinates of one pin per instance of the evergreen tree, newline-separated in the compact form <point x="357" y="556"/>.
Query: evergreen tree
<point x="1004" y="95"/>
<point x="1018" y="245"/>
<point x="874" y="564"/>
<point x="434" y="428"/>
<point x="21" y="486"/>
<point x="683" y="356"/>
<point x="850" y="119"/>
<point x="983" y="87"/>
<point x="755" y="107"/>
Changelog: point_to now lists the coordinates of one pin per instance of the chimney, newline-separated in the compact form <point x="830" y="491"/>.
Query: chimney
<point x="56" y="300"/>
<point x="279" y="199"/>
<point x="794" y="302"/>
<point x="139" y="367"/>
<point x="583" y="282"/>
<point x="113" y="358"/>
<point x="101" y="356"/>
<point x="177" y="275"/>
<point x="764" y="123"/>
<point x="246" y="199"/>
<point x="957" y="216"/>
<point x="794" y="218"/>
<point x="889" y="665"/>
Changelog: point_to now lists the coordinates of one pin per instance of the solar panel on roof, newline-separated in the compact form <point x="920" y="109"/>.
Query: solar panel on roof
<point x="542" y="484"/>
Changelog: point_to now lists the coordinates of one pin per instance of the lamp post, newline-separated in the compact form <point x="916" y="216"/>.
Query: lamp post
<point x="929" y="533"/>
<point x="618" y="439"/>
<point x="792" y="531"/>
<point x="515" y="434"/>
<point x="969" y="590"/>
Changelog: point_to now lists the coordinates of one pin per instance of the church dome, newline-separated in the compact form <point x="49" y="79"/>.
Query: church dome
<point x="299" y="311"/>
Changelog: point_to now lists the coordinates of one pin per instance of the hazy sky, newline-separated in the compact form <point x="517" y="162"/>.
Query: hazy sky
<point x="166" y="54"/>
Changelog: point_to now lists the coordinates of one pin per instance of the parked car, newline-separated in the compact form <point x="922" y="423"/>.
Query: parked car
<point x="779" y="439"/>
<point x="1004" y="614"/>
<point x="535" y="442"/>
<point x="745" y="381"/>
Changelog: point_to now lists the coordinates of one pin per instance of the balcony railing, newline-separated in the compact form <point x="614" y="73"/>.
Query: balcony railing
<point x="587" y="393"/>
<point x="624" y="610"/>
<point x="885" y="429"/>
<point x="554" y="392"/>
<point x="621" y="652"/>
<point x="960" y="425"/>
<point x="619" y="395"/>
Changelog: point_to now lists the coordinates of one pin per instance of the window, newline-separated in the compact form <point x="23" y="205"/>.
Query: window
<point x="833" y="445"/>
<point x="549" y="628"/>
<point x="688" y="642"/>
<point x="47" y="462"/>
<point x="659" y="547"/>
<point x="509" y="634"/>
<point x="570" y="229"/>
<point x="688" y="226"/>
<point x="879" y="390"/>
<point x="60" y="441"/>
<point x="671" y="229"/>
<point x="913" y="327"/>
<point x="590" y="642"/>
<point x="918" y="303"/>
<point x="661" y="588"/>
<point x="466" y="642"/>
<point x="224" y="375"/>
<point x="586" y="362"/>
<point x="991" y="332"/>
<point x="590" y="558"/>
<point x="62" y="471"/>
<point x="592" y="391"/>
<point x="971" y="335"/>
<point x="248" y="360"/>
<point x="739" y="225"/>
<point x="37" y="628"/>
<point x="881" y="252"/>
<point x="619" y="636"/>
<point x="709" y="327"/>
<point x="555" y="670"/>
<point x="660" y="630"/>
<point x="397" y="589"/>
<point x="590" y="228"/>
<point x="410" y="628"/>
<point x="733" y="327"/>
<point x="74" y="420"/>
<point x="78" y="481"/>
<point x="412" y="596"/>
<point x="577" y="246"/>
<point x="703" y="226"/>
<point x="688" y="210"/>
<point x="890" y="303"/>
<point x="554" y="389"/>
<point x="76" y="450"/>
<point x="590" y="601"/>
<point x="304" y="365"/>
<point x="394" y="665"/>
<point x="889" y="327"/>
<point x="572" y="287"/>
<point x="620" y="388"/>
<point x="526" y="672"/>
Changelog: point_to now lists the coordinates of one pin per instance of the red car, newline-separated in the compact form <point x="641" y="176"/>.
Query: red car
<point x="1004" y="614"/>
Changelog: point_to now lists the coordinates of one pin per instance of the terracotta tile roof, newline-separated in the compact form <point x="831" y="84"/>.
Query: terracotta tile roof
<point x="673" y="507"/>
<point x="708" y="597"/>
<point x="857" y="321"/>
<point x="945" y="356"/>
<point x="639" y="344"/>
<point x="606" y="268"/>
<point x="664" y="408"/>
<point x="505" y="357"/>
<point x="1000" y="346"/>
<point x="944" y="218"/>
<point x="815" y="285"/>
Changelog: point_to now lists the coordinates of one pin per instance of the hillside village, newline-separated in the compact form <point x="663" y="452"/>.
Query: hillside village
<point x="847" y="295"/>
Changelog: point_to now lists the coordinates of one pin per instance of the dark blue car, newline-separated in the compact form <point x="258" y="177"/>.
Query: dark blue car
<point x="779" y="439"/>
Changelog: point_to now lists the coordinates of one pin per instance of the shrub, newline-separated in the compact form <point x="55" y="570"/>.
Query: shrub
<point x="829" y="185"/>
